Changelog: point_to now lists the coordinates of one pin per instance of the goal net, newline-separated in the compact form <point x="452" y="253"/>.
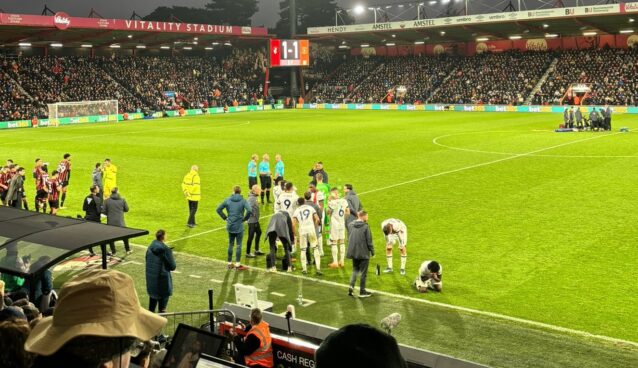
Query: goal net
<point x="102" y="110"/>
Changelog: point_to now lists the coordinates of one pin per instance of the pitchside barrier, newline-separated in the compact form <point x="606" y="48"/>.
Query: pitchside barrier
<point x="130" y="116"/>
<point x="298" y="350"/>
<point x="466" y="108"/>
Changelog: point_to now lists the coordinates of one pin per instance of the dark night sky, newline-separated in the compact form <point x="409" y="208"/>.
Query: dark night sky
<point x="267" y="14"/>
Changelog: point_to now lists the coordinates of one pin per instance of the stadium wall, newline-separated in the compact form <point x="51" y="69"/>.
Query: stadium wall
<point x="466" y="108"/>
<point x="131" y="116"/>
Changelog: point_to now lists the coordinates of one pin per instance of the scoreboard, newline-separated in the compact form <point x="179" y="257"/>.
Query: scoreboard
<point x="289" y="53"/>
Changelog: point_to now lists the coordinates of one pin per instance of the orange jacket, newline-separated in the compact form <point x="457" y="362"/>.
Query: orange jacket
<point x="263" y="355"/>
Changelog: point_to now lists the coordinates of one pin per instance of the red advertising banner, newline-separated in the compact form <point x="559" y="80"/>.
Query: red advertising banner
<point x="62" y="21"/>
<point x="275" y="52"/>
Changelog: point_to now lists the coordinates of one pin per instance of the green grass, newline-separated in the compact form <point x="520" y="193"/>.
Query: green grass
<point x="523" y="225"/>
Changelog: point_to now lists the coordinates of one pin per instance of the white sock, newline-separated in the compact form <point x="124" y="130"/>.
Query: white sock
<point x="389" y="258"/>
<point x="342" y="248"/>
<point x="334" y="253"/>
<point x="304" y="260"/>
<point x="320" y="243"/>
<point x="404" y="259"/>
<point x="317" y="259"/>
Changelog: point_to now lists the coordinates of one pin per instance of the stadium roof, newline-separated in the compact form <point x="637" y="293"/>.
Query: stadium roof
<point x="555" y="22"/>
<point x="47" y="239"/>
<point x="63" y="30"/>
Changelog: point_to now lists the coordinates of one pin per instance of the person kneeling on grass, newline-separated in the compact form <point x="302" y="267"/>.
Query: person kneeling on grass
<point x="430" y="274"/>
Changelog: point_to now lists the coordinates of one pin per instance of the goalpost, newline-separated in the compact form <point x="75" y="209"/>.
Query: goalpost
<point x="102" y="110"/>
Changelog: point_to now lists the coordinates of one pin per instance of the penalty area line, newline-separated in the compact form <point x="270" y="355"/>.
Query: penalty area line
<point x="457" y="308"/>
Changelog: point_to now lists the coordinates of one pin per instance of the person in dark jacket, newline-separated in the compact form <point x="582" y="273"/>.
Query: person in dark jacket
<point x="359" y="345"/>
<point x="360" y="249"/>
<point x="578" y="115"/>
<point x="237" y="212"/>
<point x="280" y="227"/>
<point x="97" y="179"/>
<point x="606" y="113"/>
<point x="354" y="204"/>
<point x="254" y="229"/>
<point x="159" y="264"/>
<point x="318" y="168"/>
<point x="114" y="208"/>
<point x="92" y="208"/>
<point x="16" y="189"/>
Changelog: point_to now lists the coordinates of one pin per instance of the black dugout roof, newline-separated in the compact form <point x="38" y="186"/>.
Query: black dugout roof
<point x="47" y="239"/>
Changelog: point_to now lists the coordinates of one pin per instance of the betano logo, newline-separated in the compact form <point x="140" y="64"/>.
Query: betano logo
<point x="61" y="20"/>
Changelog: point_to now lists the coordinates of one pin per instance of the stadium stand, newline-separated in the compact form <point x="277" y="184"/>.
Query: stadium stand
<point x="139" y="83"/>
<point x="340" y="84"/>
<point x="610" y="71"/>
<point x="494" y="78"/>
<point x="419" y="74"/>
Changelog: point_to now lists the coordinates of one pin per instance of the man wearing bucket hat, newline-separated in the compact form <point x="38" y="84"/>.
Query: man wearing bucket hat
<point x="97" y="322"/>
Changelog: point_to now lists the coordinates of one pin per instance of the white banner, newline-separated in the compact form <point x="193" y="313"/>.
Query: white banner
<point x="480" y="18"/>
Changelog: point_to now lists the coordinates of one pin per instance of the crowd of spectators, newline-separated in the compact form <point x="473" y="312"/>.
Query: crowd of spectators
<point x="56" y="79"/>
<point x="167" y="83"/>
<point x="236" y="77"/>
<point x="345" y="79"/>
<point x="419" y="75"/>
<point x="611" y="74"/>
<point x="14" y="104"/>
<point x="505" y="78"/>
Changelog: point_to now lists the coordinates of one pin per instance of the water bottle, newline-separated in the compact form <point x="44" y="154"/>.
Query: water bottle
<point x="300" y="298"/>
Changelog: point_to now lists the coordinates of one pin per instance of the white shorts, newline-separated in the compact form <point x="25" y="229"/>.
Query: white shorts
<point x="393" y="239"/>
<point x="337" y="235"/>
<point x="306" y="238"/>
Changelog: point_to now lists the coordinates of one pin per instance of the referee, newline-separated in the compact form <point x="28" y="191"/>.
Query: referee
<point x="265" y="177"/>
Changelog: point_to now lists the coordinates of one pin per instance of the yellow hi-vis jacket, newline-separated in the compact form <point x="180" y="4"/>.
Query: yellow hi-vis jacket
<point x="191" y="186"/>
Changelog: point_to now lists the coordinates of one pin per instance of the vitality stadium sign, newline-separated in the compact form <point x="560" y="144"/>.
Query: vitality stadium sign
<point x="63" y="21"/>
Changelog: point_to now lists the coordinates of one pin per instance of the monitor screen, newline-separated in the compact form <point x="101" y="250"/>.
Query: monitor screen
<point x="188" y="345"/>
<point x="207" y="361"/>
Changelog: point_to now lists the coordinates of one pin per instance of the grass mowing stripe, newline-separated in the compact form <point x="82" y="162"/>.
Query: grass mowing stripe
<point x="425" y="301"/>
<point x="432" y="175"/>
<point x="517" y="155"/>
<point x="436" y="142"/>
<point x="81" y="137"/>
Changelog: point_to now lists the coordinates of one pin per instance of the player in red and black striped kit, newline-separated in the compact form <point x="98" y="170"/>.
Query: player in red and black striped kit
<point x="54" y="187"/>
<point x="64" y="170"/>
<point x="41" y="176"/>
<point x="4" y="184"/>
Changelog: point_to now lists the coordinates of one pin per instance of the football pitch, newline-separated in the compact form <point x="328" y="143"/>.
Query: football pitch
<point x="535" y="230"/>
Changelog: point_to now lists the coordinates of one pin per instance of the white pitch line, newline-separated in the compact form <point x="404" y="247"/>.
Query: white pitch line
<point x="436" y="142"/>
<point x="277" y="294"/>
<point x="513" y="156"/>
<point x="216" y="281"/>
<point x="518" y="155"/>
<point x="195" y="276"/>
<point x="437" y="304"/>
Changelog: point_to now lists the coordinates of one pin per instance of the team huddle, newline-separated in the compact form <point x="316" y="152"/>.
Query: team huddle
<point x="50" y="189"/>
<point x="301" y="223"/>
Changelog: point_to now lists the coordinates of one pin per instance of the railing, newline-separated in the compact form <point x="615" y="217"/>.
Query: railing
<point x="205" y="319"/>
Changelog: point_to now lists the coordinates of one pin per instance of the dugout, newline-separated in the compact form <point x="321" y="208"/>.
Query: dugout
<point x="45" y="240"/>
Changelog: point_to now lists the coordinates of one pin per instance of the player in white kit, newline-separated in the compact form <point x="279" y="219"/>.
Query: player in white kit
<point x="430" y="275"/>
<point x="305" y="220"/>
<point x="395" y="231"/>
<point x="338" y="211"/>
<point x="287" y="201"/>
